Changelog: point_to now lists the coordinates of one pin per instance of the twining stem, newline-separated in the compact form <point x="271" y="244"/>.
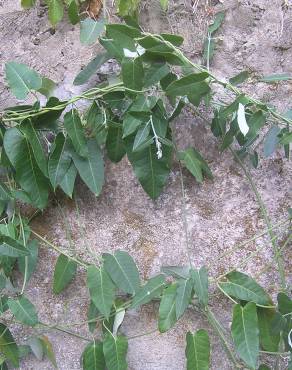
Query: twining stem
<point x="51" y="245"/>
<point x="279" y="260"/>
<point x="58" y="328"/>
<point x="220" y="331"/>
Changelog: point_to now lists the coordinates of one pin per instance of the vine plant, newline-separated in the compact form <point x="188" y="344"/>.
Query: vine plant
<point x="45" y="147"/>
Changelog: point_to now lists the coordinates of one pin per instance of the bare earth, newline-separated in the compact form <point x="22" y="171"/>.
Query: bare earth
<point x="256" y="35"/>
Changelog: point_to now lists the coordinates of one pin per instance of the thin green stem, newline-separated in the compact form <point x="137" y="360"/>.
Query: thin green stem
<point x="56" y="327"/>
<point x="266" y="218"/>
<point x="51" y="245"/>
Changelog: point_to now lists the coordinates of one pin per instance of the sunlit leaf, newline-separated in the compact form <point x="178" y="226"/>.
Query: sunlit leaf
<point x="56" y="11"/>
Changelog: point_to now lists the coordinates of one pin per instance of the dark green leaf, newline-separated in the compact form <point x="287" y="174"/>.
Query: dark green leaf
<point x="90" y="169"/>
<point x="245" y="333"/>
<point x="12" y="248"/>
<point x="243" y="287"/>
<point x="27" y="265"/>
<point x="142" y="137"/>
<point x="198" y="350"/>
<point x="155" y="73"/>
<point x="133" y="73"/>
<point x="194" y="162"/>
<point x="67" y="184"/>
<point x="90" y="30"/>
<point x="47" y="88"/>
<point x="64" y="273"/>
<point x="167" y="309"/>
<point x="28" y="174"/>
<point x="268" y="341"/>
<point x="264" y="367"/>
<point x="92" y="314"/>
<point x="32" y="137"/>
<point x="8" y="346"/>
<point x="21" y="79"/>
<point x="175" y="40"/>
<point x="187" y="85"/>
<point x="3" y="304"/>
<point x="150" y="290"/>
<point x="89" y="70"/>
<point x="59" y="161"/>
<point x="23" y="310"/>
<point x="56" y="11"/>
<point x="151" y="172"/>
<point x="271" y="141"/>
<point x="5" y="194"/>
<point x="122" y="270"/>
<point x="239" y="78"/>
<point x="131" y="123"/>
<point x="73" y="126"/>
<point x="73" y="12"/>
<point x="115" y="352"/>
<point x="101" y="289"/>
<point x="183" y="296"/>
<point x="92" y="356"/>
<point x="114" y="144"/>
<point x="200" y="280"/>
<point x="284" y="304"/>
<point x="255" y="122"/>
<point x="112" y="30"/>
<point x="286" y="139"/>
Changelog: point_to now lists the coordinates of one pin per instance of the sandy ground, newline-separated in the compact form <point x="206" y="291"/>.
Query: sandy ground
<point x="256" y="35"/>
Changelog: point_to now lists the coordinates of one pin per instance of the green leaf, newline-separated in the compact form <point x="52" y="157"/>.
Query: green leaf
<point x="73" y="12"/>
<point x="115" y="352"/>
<point x="114" y="144"/>
<point x="178" y="272"/>
<point x="155" y="73"/>
<point x="8" y="346"/>
<point x="59" y="161"/>
<point x="90" y="30"/>
<point x="89" y="70"/>
<point x="122" y="270"/>
<point x="187" y="85"/>
<point x="198" y="350"/>
<point x="286" y="139"/>
<point x="12" y="248"/>
<point x="23" y="310"/>
<point x="150" y="290"/>
<point x="92" y="356"/>
<point x="175" y="40"/>
<point x="32" y="137"/>
<point x="239" y="78"/>
<point x="195" y="163"/>
<point x="284" y="304"/>
<point x="127" y="7"/>
<point x="265" y="367"/>
<point x="164" y="4"/>
<point x="269" y="342"/>
<point x="243" y="287"/>
<point x="101" y="289"/>
<point x="167" y="309"/>
<point x="200" y="280"/>
<point x="131" y="123"/>
<point x="64" y="273"/>
<point x="92" y="313"/>
<point x="36" y="347"/>
<point x="271" y="141"/>
<point x="21" y="79"/>
<point x="28" y="174"/>
<point x="3" y="304"/>
<point x="47" y="88"/>
<point x="245" y="333"/>
<point x="114" y="30"/>
<point x="27" y="265"/>
<point x="183" y="296"/>
<point x="26" y="4"/>
<point x="141" y="137"/>
<point x="151" y="172"/>
<point x="217" y="22"/>
<point x="74" y="128"/>
<point x="5" y="193"/>
<point x="133" y="73"/>
<point x="48" y="349"/>
<point x="56" y="11"/>
<point x="90" y="169"/>
<point x="67" y="184"/>
<point x="277" y="77"/>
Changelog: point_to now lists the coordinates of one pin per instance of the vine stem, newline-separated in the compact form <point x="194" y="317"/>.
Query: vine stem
<point x="59" y="250"/>
<point x="220" y="331"/>
<point x="279" y="260"/>
<point x="56" y="327"/>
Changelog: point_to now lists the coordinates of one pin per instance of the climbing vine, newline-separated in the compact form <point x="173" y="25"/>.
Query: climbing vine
<point x="46" y="146"/>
